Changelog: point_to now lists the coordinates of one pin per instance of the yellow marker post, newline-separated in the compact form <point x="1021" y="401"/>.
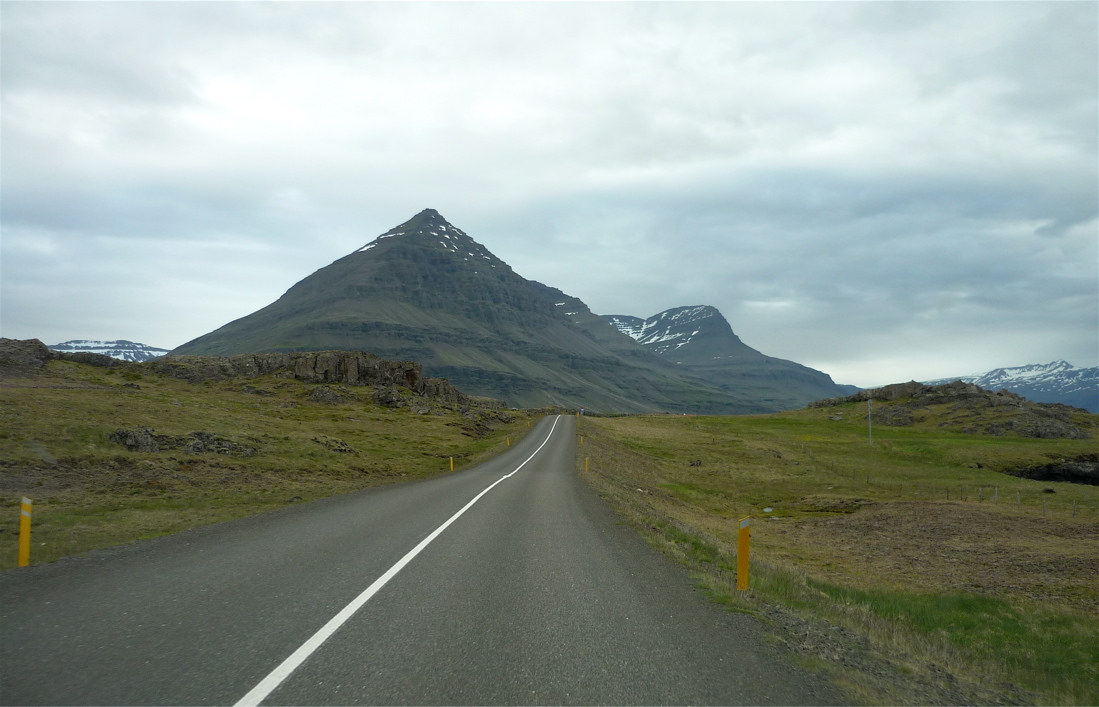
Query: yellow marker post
<point x="509" y="440"/>
<point x="452" y="463"/>
<point x="581" y="440"/>
<point x="25" y="532"/>
<point x="585" y="463"/>
<point x="742" y="554"/>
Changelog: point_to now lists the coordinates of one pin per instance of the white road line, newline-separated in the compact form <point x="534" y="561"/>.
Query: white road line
<point x="275" y="678"/>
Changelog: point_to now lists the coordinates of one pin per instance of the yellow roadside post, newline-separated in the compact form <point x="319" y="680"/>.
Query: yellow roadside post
<point x="742" y="554"/>
<point x="25" y="532"/>
<point x="581" y="440"/>
<point x="509" y="440"/>
<point x="452" y="463"/>
<point x="585" y="463"/>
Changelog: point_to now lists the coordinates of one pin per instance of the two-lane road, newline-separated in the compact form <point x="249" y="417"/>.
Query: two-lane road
<point x="534" y="594"/>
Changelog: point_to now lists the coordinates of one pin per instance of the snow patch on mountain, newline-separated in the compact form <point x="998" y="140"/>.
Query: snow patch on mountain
<point x="667" y="331"/>
<point x="121" y="349"/>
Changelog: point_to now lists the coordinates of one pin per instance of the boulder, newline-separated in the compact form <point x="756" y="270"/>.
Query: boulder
<point x="137" y="440"/>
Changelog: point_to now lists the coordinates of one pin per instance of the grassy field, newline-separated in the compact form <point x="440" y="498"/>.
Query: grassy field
<point x="283" y="447"/>
<point x="910" y="569"/>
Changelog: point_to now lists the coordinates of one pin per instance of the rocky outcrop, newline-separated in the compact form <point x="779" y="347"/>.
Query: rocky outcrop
<point x="927" y="394"/>
<point x="143" y="439"/>
<point x="346" y="367"/>
<point x="1081" y="470"/>
<point x="955" y="392"/>
<point x="969" y="408"/>
<point x="21" y="357"/>
<point x="27" y="357"/>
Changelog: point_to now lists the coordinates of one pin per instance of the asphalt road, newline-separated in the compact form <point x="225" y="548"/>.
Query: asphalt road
<point x="535" y="594"/>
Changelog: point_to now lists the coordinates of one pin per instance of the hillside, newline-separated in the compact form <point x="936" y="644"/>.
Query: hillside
<point x="112" y="451"/>
<point x="700" y="341"/>
<point x="425" y="291"/>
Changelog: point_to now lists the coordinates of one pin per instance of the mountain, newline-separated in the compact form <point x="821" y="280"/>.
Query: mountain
<point x="121" y="349"/>
<point x="701" y="342"/>
<point x="1055" y="382"/>
<point x="427" y="292"/>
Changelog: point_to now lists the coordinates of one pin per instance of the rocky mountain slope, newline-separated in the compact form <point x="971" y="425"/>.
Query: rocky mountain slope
<point x="1055" y="382"/>
<point x="121" y="349"/>
<point x="700" y="341"/>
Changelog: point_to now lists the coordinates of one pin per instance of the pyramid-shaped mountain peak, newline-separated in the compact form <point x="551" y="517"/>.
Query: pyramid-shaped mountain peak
<point x="426" y="220"/>
<point x="428" y="229"/>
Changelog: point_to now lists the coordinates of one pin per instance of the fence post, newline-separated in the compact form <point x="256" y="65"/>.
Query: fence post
<point x="25" y="532"/>
<point x="742" y="554"/>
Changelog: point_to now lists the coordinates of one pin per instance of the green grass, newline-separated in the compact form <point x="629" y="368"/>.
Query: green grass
<point x="90" y="493"/>
<point x="1053" y="651"/>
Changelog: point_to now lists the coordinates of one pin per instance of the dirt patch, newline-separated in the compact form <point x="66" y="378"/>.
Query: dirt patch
<point x="953" y="546"/>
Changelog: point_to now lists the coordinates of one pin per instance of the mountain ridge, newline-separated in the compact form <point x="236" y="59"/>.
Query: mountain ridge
<point x="699" y="340"/>
<point x="1054" y="382"/>
<point x="120" y="349"/>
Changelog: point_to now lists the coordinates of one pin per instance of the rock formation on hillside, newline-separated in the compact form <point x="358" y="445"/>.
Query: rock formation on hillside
<point x="966" y="407"/>
<point x="347" y="367"/>
<point x="19" y="358"/>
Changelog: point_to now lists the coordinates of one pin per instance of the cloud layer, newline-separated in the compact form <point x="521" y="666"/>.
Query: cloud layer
<point x="882" y="191"/>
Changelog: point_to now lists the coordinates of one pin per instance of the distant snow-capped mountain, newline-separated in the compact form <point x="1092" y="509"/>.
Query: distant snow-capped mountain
<point x="700" y="341"/>
<point x="121" y="349"/>
<point x="1055" y="382"/>
<point x="668" y="332"/>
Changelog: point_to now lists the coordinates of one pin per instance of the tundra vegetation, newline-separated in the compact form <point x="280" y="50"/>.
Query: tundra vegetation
<point x="113" y="454"/>
<point x="918" y="568"/>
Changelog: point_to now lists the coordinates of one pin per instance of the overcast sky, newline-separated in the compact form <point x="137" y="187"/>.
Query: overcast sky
<point x="882" y="191"/>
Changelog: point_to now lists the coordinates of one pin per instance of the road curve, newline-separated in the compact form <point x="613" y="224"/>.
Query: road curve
<point x="535" y="594"/>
